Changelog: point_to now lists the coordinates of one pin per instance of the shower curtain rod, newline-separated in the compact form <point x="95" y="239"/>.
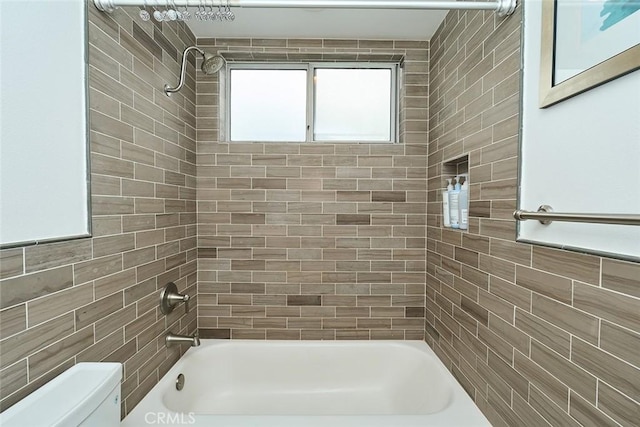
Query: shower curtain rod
<point x="502" y="7"/>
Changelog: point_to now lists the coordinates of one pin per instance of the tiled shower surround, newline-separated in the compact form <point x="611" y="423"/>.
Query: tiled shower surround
<point x="537" y="336"/>
<point x="313" y="241"/>
<point x="322" y="241"/>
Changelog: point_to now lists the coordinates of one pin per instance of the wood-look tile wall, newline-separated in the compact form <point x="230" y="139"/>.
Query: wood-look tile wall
<point x="97" y="299"/>
<point x="537" y="336"/>
<point x="313" y="241"/>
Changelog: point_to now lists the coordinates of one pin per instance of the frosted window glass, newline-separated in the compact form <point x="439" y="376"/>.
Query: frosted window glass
<point x="268" y="105"/>
<point x="352" y="104"/>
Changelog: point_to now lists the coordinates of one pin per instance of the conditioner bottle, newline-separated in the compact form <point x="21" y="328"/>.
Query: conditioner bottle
<point x="463" y="205"/>
<point x="454" y="207"/>
<point x="445" y="204"/>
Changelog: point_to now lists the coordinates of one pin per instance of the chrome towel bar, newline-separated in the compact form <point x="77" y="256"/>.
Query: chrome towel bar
<point x="546" y="216"/>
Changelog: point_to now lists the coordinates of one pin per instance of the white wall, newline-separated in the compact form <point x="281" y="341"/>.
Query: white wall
<point x="43" y="145"/>
<point x="580" y="155"/>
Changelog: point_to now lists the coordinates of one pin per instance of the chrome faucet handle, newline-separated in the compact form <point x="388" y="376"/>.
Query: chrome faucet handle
<point x="177" y="298"/>
<point x="186" y="300"/>
<point x="170" y="298"/>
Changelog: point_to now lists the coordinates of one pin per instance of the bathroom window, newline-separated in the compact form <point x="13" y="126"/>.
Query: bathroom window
<point x="328" y="102"/>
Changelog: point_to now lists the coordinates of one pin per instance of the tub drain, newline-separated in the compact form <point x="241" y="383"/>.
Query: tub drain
<point x="180" y="382"/>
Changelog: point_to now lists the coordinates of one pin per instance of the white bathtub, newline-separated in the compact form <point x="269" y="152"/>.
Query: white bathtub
<point x="308" y="383"/>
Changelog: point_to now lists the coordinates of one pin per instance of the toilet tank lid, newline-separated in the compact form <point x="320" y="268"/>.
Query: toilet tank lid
<point x="67" y="399"/>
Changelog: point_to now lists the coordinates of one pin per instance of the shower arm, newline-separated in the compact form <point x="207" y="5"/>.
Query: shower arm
<point x="502" y="7"/>
<point x="168" y="90"/>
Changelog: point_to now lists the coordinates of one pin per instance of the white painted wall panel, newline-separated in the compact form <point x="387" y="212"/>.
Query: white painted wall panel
<point x="43" y="145"/>
<point x="580" y="155"/>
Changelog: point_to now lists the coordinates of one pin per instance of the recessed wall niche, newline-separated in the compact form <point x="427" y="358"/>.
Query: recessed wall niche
<point x="453" y="169"/>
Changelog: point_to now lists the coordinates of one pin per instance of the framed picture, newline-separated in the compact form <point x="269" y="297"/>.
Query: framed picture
<point x="586" y="43"/>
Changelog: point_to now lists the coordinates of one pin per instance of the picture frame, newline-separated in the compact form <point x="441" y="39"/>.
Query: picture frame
<point x="571" y="25"/>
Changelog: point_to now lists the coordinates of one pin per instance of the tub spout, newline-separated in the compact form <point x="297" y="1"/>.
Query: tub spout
<point x="175" y="339"/>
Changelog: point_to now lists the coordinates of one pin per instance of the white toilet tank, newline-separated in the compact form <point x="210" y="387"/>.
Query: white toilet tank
<point x="87" y="394"/>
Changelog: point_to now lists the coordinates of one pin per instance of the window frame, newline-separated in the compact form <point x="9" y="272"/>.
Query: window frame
<point x="310" y="67"/>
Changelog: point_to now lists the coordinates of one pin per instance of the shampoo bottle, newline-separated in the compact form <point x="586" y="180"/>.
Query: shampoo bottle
<point x="454" y="206"/>
<point x="445" y="204"/>
<point x="463" y="203"/>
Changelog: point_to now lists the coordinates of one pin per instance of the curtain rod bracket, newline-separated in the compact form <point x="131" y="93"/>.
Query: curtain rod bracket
<point x="105" y="5"/>
<point x="506" y="7"/>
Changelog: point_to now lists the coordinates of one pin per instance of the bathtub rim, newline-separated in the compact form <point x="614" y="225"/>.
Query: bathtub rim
<point x="461" y="412"/>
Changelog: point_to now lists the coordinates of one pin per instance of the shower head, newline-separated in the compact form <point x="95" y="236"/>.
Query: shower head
<point x="210" y="65"/>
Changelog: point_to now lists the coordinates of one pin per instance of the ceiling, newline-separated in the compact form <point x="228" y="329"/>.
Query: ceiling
<point x="323" y="23"/>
